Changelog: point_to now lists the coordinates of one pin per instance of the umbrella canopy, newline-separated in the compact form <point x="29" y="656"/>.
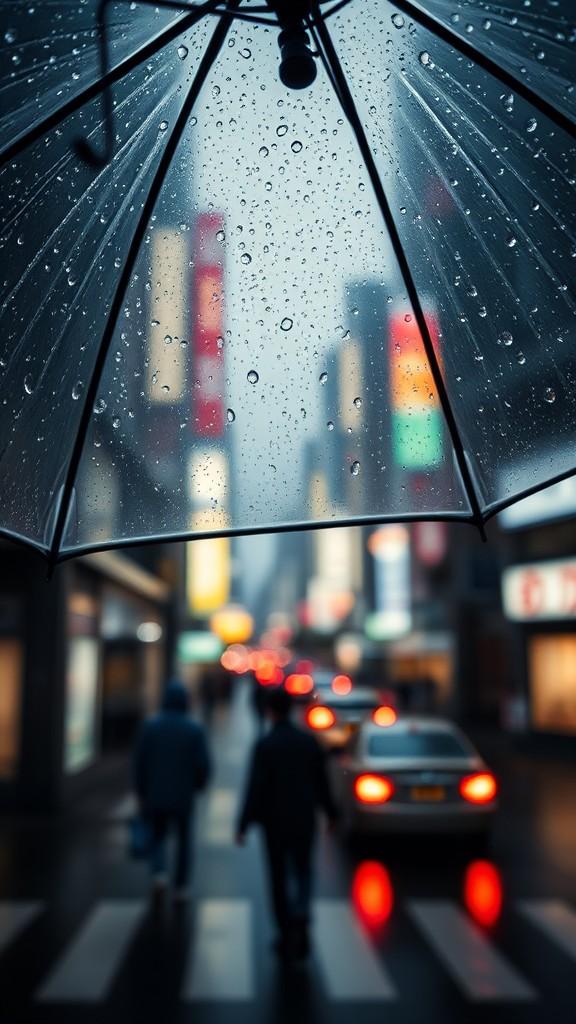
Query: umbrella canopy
<point x="232" y="304"/>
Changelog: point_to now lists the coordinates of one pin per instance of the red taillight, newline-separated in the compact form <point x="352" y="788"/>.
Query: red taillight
<point x="342" y="685"/>
<point x="483" y="892"/>
<point x="373" y="789"/>
<point x="384" y="715"/>
<point x="372" y="893"/>
<point x="298" y="684"/>
<point x="480" y="788"/>
<point x="320" y="717"/>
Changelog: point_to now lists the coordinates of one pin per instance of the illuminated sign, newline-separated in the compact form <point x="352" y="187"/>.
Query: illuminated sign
<point x="208" y="328"/>
<point x="166" y="371"/>
<point x="198" y="645"/>
<point x="207" y="575"/>
<point x="392" y="617"/>
<point x="551" y="503"/>
<point x="416" y="414"/>
<point x="540" y="591"/>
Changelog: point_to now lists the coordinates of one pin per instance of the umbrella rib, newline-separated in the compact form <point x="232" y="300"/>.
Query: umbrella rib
<point x="204" y="69"/>
<point x="40" y="129"/>
<point x="447" y="35"/>
<point x="349" y="108"/>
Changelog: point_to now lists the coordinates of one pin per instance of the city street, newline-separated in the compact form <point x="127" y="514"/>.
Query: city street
<point x="416" y="931"/>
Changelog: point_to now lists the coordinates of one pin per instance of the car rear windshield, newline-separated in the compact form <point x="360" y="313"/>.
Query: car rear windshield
<point x="416" y="744"/>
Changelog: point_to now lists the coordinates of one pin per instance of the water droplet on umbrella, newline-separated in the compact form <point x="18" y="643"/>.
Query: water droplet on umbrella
<point x="230" y="415"/>
<point x="220" y="342"/>
<point x="215" y="91"/>
<point x="330" y="425"/>
<point x="28" y="384"/>
<point x="323" y="378"/>
<point x="505" y="338"/>
<point x="287" y="324"/>
<point x="163" y="126"/>
<point x="520" y="358"/>
<point x="72" y="280"/>
<point x="116" y="422"/>
<point x="246" y="53"/>
<point x="398" y="20"/>
<point x="10" y="36"/>
<point x="99" y="406"/>
<point x="77" y="390"/>
<point x="425" y="58"/>
<point x="281" y="130"/>
<point x="355" y="468"/>
<point x="549" y="396"/>
<point x="531" y="124"/>
<point x="252" y="377"/>
<point x="220" y="236"/>
<point x="296" y="146"/>
<point x="182" y="52"/>
<point x="246" y="258"/>
<point x="166" y="388"/>
<point x="263" y="151"/>
<point x="168" y="339"/>
<point x="358" y="403"/>
<point x="511" y="241"/>
<point x="20" y="240"/>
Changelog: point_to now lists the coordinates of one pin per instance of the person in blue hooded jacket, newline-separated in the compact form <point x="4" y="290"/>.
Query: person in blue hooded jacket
<point x="171" y="764"/>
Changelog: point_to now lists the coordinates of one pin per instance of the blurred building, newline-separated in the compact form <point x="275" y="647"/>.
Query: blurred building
<point x="82" y="658"/>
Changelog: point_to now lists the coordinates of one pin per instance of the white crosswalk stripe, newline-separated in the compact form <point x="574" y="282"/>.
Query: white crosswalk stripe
<point x="85" y="972"/>
<point x="556" y="919"/>
<point x="351" y="969"/>
<point x="14" y="918"/>
<point x="220" y="961"/>
<point x="481" y="972"/>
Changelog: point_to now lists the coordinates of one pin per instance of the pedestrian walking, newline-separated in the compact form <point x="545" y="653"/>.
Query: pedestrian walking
<point x="287" y="786"/>
<point x="171" y="764"/>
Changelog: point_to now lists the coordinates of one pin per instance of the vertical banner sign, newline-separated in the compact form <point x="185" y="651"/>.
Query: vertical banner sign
<point x="416" y="413"/>
<point x="208" y="327"/>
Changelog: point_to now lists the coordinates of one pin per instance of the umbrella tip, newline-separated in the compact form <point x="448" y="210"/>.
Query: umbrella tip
<point x="297" y="67"/>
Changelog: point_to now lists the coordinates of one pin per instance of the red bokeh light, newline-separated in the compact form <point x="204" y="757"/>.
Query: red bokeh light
<point x="299" y="684"/>
<point x="342" y="685"/>
<point x="483" y="892"/>
<point x="373" y="789"/>
<point x="384" y="716"/>
<point x="320" y="717"/>
<point x="479" y="788"/>
<point x="372" y="894"/>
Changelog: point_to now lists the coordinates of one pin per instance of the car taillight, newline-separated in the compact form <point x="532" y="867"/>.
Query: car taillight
<point x="480" y="788"/>
<point x="373" y="789"/>
<point x="342" y="685"/>
<point x="299" y="684"/>
<point x="384" y="715"/>
<point x="320" y="717"/>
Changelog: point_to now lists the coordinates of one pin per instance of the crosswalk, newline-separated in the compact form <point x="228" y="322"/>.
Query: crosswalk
<point x="221" y="961"/>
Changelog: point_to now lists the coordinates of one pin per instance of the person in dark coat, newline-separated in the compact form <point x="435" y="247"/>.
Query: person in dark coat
<point x="287" y="786"/>
<point x="171" y="764"/>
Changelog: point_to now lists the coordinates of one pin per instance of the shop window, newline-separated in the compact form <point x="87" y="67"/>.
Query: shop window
<point x="552" y="666"/>
<point x="10" y="700"/>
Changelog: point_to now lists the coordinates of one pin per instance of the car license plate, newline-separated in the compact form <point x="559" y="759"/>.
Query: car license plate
<point x="430" y="794"/>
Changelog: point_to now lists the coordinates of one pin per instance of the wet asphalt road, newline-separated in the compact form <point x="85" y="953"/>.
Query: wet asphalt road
<point x="409" y="932"/>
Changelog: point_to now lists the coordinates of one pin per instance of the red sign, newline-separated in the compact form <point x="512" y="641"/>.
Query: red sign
<point x="208" y="326"/>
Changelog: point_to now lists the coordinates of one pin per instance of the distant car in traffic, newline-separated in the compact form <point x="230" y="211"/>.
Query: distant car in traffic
<point x="413" y="774"/>
<point x="336" y="714"/>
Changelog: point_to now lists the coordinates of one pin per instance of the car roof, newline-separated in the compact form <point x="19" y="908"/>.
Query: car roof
<point x="415" y="723"/>
<point x="358" y="694"/>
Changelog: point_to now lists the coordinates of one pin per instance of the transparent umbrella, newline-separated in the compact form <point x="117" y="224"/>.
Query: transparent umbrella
<point x="277" y="265"/>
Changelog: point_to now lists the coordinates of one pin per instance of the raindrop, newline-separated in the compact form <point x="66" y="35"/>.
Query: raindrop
<point x="28" y="384"/>
<point x="215" y="91"/>
<point x="520" y="358"/>
<point x="263" y="151"/>
<point x="511" y="241"/>
<point x="246" y="53"/>
<point x="323" y="378"/>
<point x="166" y="388"/>
<point x="163" y="126"/>
<point x="549" y="396"/>
<point x="358" y="403"/>
<point x="486" y="24"/>
<point x="168" y="339"/>
<point x="505" y="339"/>
<point x="116" y="422"/>
<point x="77" y="390"/>
<point x="220" y="236"/>
<point x="508" y="101"/>
<point x="182" y="52"/>
<point x="117" y="262"/>
<point x="72" y="280"/>
<point x="531" y="124"/>
<point x="355" y="311"/>
<point x="330" y="425"/>
<point x="220" y="341"/>
<point x="268" y="186"/>
<point x="252" y="377"/>
<point x="99" y="407"/>
<point x="425" y="58"/>
<point x="230" y="415"/>
<point x="246" y="258"/>
<point x="398" y="21"/>
<point x="296" y="146"/>
<point x="287" y="324"/>
<point x="281" y="130"/>
<point x="355" y="468"/>
<point x="10" y="36"/>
